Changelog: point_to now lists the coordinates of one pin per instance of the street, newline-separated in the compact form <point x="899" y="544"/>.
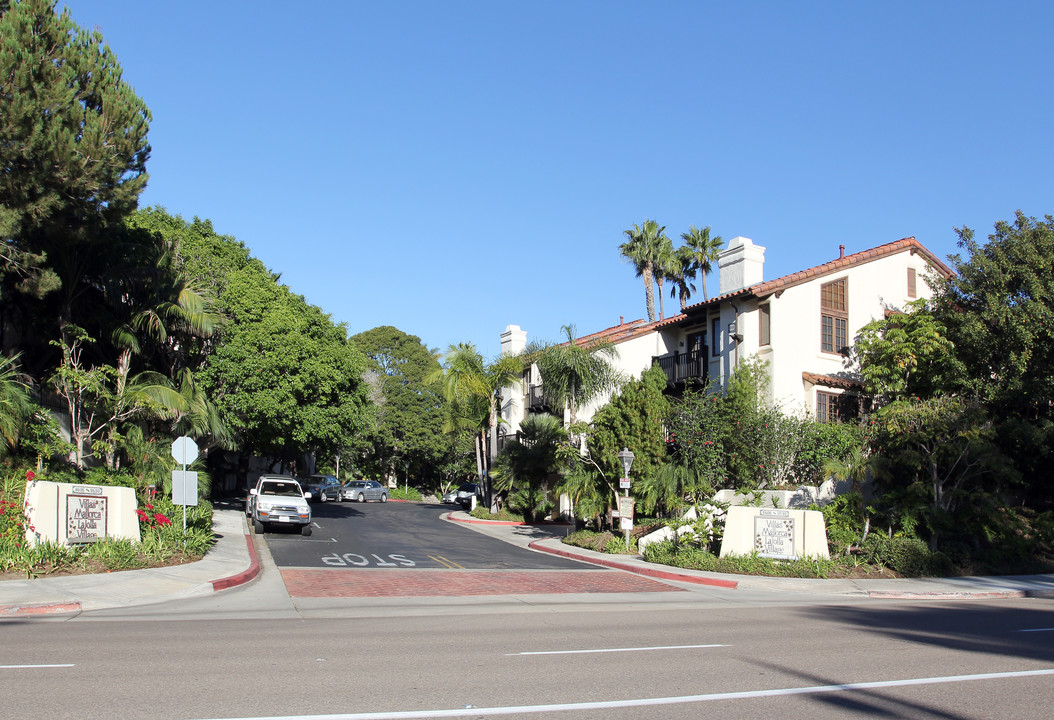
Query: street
<point x="475" y="635"/>
<point x="912" y="661"/>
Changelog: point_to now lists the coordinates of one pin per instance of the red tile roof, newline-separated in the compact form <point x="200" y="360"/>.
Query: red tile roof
<point x="619" y="333"/>
<point x="832" y="381"/>
<point x="762" y="289"/>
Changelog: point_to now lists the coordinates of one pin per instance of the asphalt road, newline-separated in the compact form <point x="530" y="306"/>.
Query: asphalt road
<point x="947" y="661"/>
<point x="398" y="535"/>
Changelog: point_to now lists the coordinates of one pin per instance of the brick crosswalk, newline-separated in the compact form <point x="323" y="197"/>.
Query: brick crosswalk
<point x="323" y="583"/>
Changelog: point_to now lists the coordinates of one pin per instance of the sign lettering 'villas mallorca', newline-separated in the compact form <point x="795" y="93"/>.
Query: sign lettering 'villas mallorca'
<point x="774" y="534"/>
<point x="85" y="514"/>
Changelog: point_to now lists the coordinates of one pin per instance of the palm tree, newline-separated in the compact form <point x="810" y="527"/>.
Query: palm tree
<point x="704" y="250"/>
<point x="15" y="405"/>
<point x="666" y="267"/>
<point x="527" y="462"/>
<point x="640" y="249"/>
<point x="471" y="388"/>
<point x="683" y="275"/>
<point x="574" y="373"/>
<point x="856" y="467"/>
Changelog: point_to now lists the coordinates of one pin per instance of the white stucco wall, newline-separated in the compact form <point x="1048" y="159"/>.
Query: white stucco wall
<point x="634" y="357"/>
<point x="873" y="288"/>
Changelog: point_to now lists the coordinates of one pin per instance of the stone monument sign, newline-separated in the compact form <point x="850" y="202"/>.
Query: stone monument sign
<point x="68" y="513"/>
<point x="775" y="533"/>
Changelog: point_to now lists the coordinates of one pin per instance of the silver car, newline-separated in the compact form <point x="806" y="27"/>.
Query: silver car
<point x="363" y="490"/>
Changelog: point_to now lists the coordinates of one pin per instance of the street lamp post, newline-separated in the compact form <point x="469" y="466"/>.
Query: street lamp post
<point x="626" y="458"/>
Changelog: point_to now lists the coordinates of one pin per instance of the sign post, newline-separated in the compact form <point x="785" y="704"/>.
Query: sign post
<point x="626" y="502"/>
<point x="185" y="451"/>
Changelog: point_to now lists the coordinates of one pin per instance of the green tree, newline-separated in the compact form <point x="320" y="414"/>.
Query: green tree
<point x="998" y="310"/>
<point x="632" y="419"/>
<point x="907" y="355"/>
<point x="574" y="372"/>
<point x="283" y="375"/>
<point x="642" y="249"/>
<point x="410" y="412"/>
<point x="73" y="149"/>
<point x="942" y="448"/>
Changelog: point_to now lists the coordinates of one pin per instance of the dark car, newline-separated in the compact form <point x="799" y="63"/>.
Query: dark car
<point x="322" y="488"/>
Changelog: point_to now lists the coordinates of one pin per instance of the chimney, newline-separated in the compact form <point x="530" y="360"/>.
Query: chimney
<point x="740" y="265"/>
<point x="841" y="251"/>
<point x="513" y="340"/>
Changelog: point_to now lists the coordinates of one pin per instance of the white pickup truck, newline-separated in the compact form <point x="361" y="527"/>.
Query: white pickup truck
<point x="278" y="500"/>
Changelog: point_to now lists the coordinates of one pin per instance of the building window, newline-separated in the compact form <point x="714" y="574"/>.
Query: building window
<point x="837" y="407"/>
<point x="834" y="317"/>
<point x="764" y="320"/>
<point x="911" y="283"/>
<point x="715" y="334"/>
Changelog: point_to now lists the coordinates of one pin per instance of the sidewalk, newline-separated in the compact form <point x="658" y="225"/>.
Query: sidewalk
<point x="546" y="538"/>
<point x="232" y="561"/>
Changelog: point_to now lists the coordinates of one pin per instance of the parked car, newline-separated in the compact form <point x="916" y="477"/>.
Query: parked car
<point x="322" y="488"/>
<point x="363" y="490"/>
<point x="278" y="500"/>
<point x="466" y="492"/>
<point x="450" y="498"/>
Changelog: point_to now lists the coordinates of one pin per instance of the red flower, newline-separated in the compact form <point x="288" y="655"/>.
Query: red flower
<point x="149" y="506"/>
<point x="161" y="519"/>
<point x="30" y="475"/>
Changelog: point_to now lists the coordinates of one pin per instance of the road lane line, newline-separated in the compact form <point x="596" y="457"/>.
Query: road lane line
<point x="613" y="650"/>
<point x="448" y="563"/>
<point x="34" y="667"/>
<point x="651" y="702"/>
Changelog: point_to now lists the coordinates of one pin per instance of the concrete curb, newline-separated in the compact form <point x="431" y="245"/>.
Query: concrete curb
<point x="244" y="576"/>
<point x="960" y="594"/>
<point x="39" y="609"/>
<point x="469" y="520"/>
<point x="647" y="571"/>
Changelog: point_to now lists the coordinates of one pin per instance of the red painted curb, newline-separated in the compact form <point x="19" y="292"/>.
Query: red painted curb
<point x="41" y="609"/>
<point x="646" y="571"/>
<point x="245" y="575"/>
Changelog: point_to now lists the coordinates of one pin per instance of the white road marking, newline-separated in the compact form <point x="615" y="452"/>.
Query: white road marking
<point x="612" y="650"/>
<point x="34" y="667"/>
<point x="649" y="702"/>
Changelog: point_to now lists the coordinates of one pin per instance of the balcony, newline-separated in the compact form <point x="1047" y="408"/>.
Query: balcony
<point x="535" y="400"/>
<point x="683" y="367"/>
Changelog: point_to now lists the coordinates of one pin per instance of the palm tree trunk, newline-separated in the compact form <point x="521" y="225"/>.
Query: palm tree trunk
<point x="649" y="292"/>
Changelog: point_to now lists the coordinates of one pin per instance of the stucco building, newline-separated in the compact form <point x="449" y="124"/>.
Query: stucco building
<point x="801" y="324"/>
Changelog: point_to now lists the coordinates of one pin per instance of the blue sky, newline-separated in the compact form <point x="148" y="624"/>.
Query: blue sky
<point x="453" y="167"/>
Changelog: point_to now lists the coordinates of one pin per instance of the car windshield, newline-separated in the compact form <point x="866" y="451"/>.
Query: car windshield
<point x="358" y="483"/>
<point x="468" y="487"/>
<point x="276" y="487"/>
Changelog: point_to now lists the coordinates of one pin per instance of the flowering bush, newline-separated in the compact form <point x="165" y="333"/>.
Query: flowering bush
<point x="151" y="519"/>
<point x="12" y="525"/>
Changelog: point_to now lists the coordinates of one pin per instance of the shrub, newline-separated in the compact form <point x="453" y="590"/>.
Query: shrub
<point x="397" y="493"/>
<point x="907" y="556"/>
